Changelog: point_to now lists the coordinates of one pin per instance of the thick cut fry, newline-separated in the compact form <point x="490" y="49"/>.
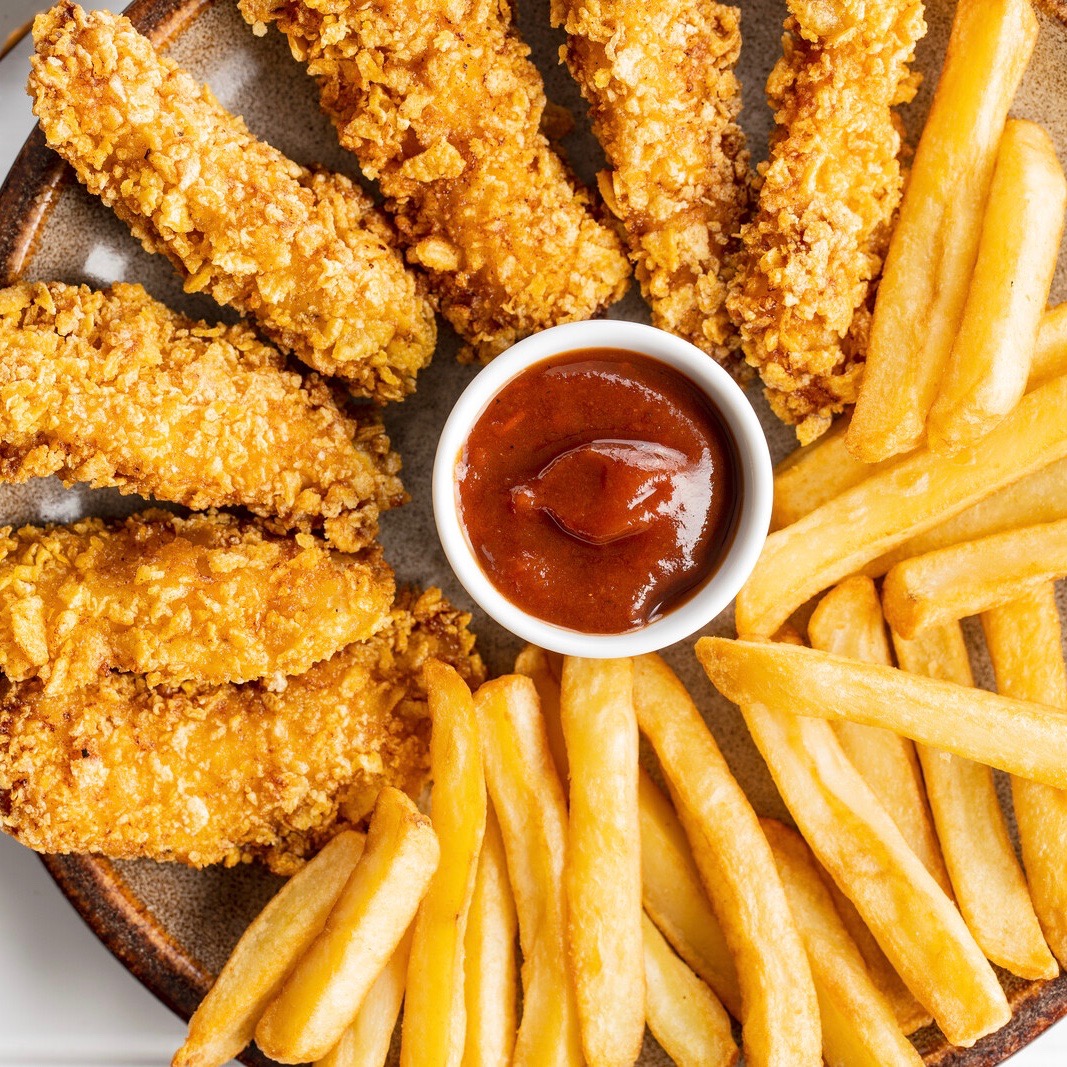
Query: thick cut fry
<point x="675" y="899"/>
<point x="528" y="800"/>
<point x="685" y="1018"/>
<point x="603" y="870"/>
<point x="859" y="1028"/>
<point x="857" y="842"/>
<point x="969" y="578"/>
<point x="366" y="1042"/>
<point x="932" y="253"/>
<point x="491" y="966"/>
<point x="546" y="670"/>
<point x="1021" y="738"/>
<point x="322" y="995"/>
<point x="989" y="883"/>
<point x="780" y="1013"/>
<point x="268" y="950"/>
<point x="1021" y="231"/>
<point x="1025" y="645"/>
<point x="1050" y="354"/>
<point x="906" y="499"/>
<point x="435" y="1010"/>
<point x="848" y="622"/>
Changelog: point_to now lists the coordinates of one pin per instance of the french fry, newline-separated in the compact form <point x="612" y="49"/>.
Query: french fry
<point x="909" y="497"/>
<point x="848" y="622"/>
<point x="1026" y="739"/>
<point x="935" y="242"/>
<point x="528" y="800"/>
<point x="1021" y="231"/>
<point x="675" y="900"/>
<point x="1025" y="645"/>
<point x="1050" y="355"/>
<point x="226" y="1020"/>
<point x="366" y="1041"/>
<point x="858" y="1024"/>
<point x="966" y="579"/>
<point x="435" y="1016"/>
<point x="491" y="962"/>
<point x="779" y="1010"/>
<point x="322" y="995"/>
<point x="546" y="670"/>
<point x="691" y="1026"/>
<point x="602" y="874"/>
<point x="989" y="883"/>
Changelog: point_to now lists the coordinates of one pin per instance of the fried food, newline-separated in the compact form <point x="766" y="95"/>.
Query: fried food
<point x="663" y="73"/>
<point x="811" y="256"/>
<point x="442" y="107"/>
<point x="906" y="499"/>
<point x="112" y="388"/>
<point x="222" y="774"/>
<point x="602" y="874"/>
<point x="935" y="241"/>
<point x="545" y="669"/>
<point x="321" y="997"/>
<point x="208" y="599"/>
<point x="307" y="255"/>
<point x="1021" y="229"/>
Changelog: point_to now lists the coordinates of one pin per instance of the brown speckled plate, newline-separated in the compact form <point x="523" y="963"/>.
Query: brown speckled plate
<point x="171" y="926"/>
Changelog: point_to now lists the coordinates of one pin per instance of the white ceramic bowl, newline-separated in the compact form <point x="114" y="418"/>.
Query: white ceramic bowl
<point x="754" y="463"/>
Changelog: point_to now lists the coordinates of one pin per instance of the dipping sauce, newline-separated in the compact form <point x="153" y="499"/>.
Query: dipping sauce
<point x="599" y="490"/>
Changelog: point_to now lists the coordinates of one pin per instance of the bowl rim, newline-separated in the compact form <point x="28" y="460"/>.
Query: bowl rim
<point x="752" y="455"/>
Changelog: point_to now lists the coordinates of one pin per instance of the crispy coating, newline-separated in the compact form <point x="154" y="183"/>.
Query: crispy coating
<point x="225" y="774"/>
<point x="112" y="388"/>
<point x="804" y="289"/>
<point x="305" y="254"/>
<point x="209" y="599"/>
<point x="441" y="105"/>
<point x="659" y="78"/>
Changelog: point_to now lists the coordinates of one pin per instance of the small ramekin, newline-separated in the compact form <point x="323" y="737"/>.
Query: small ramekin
<point x="752" y="521"/>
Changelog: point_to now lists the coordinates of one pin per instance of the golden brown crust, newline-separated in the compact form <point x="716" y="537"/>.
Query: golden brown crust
<point x="812" y="255"/>
<point x="441" y="105"/>
<point x="307" y="255"/>
<point x="114" y="389"/>
<point x="664" y="99"/>
<point x="209" y="599"/>
<point x="228" y="773"/>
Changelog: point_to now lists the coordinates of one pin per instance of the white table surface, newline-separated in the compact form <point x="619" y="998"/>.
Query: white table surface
<point x="64" y="1000"/>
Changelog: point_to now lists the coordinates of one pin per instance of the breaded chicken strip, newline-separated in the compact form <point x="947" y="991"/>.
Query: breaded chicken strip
<point x="227" y="773"/>
<point x="441" y="105"/>
<point x="307" y="255"/>
<point x="208" y="599"/>
<point x="112" y="388"/>
<point x="664" y="99"/>
<point x="804" y="290"/>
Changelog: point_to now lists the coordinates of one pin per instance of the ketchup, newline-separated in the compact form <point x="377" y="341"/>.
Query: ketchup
<point x="599" y="489"/>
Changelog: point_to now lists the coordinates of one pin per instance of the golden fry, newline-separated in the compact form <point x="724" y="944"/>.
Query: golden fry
<point x="528" y="800"/>
<point x="434" y="1010"/>
<point x="1021" y="231"/>
<point x="685" y="1018"/>
<point x="603" y="869"/>
<point x="546" y="669"/>
<point x="934" y="245"/>
<point x="322" y="995"/>
<point x="858" y="1024"/>
<point x="282" y="932"/>
<point x="1025" y="645"/>
<point x="780" y="1013"/>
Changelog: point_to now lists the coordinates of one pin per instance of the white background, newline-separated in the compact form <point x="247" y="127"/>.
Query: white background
<point x="64" y="1001"/>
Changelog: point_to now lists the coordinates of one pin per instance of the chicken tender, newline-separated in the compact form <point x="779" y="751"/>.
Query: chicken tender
<point x="113" y="389"/>
<point x="209" y="599"/>
<point x="664" y="99"/>
<point x="305" y="254"/>
<point x="805" y="285"/>
<point x="225" y="774"/>
<point x="441" y="105"/>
